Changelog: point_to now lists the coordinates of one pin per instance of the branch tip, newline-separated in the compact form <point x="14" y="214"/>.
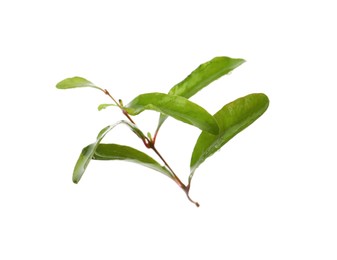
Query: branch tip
<point x="189" y="198"/>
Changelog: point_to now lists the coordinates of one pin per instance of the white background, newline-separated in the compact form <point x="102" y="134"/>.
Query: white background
<point x="269" y="194"/>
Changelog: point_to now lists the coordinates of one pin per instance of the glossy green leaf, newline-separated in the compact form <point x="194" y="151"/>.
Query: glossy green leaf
<point x="121" y="152"/>
<point x="104" y="106"/>
<point x="88" y="152"/>
<point x="76" y="82"/>
<point x="202" y="77"/>
<point x="232" y="119"/>
<point x="177" y="107"/>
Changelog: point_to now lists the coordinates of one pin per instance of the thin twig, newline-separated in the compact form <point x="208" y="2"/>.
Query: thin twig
<point x="119" y="105"/>
<point x="150" y="144"/>
<point x="175" y="177"/>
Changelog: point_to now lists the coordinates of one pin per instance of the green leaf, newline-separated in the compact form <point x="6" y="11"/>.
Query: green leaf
<point x="88" y="152"/>
<point x="104" y="106"/>
<point x="76" y="82"/>
<point x="121" y="152"/>
<point x="177" y="107"/>
<point x="232" y="119"/>
<point x="201" y="77"/>
<point x="149" y="135"/>
<point x="83" y="162"/>
<point x="204" y="75"/>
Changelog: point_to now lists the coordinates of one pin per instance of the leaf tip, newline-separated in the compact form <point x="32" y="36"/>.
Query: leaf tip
<point x="238" y="62"/>
<point x="101" y="107"/>
<point x="75" y="179"/>
<point x="64" y="84"/>
<point x="59" y="85"/>
<point x="265" y="99"/>
<point x="265" y="96"/>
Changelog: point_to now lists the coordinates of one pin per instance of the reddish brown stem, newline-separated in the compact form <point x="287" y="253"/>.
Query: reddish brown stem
<point x="155" y="136"/>
<point x="187" y="191"/>
<point x="175" y="177"/>
<point x="107" y="93"/>
<point x="196" y="203"/>
<point x="127" y="115"/>
<point x="185" y="188"/>
<point x="150" y="144"/>
<point x="119" y="105"/>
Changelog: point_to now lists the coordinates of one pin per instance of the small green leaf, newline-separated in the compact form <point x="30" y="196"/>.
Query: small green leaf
<point x="88" y="152"/>
<point x="149" y="136"/>
<point x="104" y="106"/>
<point x="177" y="107"/>
<point x="232" y="119"/>
<point x="76" y="82"/>
<point x="121" y="152"/>
<point x="201" y="77"/>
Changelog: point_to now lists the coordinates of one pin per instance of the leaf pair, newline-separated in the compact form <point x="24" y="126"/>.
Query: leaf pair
<point x="176" y="103"/>
<point x="201" y="77"/>
<point x="98" y="151"/>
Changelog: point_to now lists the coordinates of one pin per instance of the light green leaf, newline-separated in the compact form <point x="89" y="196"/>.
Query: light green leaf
<point x="104" y="106"/>
<point x="76" y="82"/>
<point x="232" y="119"/>
<point x="149" y="135"/>
<point x="202" y="77"/>
<point x="177" y="107"/>
<point x="88" y="152"/>
<point x="121" y="152"/>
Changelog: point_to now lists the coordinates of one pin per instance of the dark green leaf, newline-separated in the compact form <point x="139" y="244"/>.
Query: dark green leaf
<point x="232" y="119"/>
<point x="88" y="152"/>
<point x="201" y="77"/>
<point x="75" y="82"/>
<point x="178" y="107"/>
<point x="121" y="152"/>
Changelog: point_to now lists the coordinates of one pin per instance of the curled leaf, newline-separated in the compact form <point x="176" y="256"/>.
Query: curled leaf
<point x="88" y="152"/>
<point x="121" y="152"/>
